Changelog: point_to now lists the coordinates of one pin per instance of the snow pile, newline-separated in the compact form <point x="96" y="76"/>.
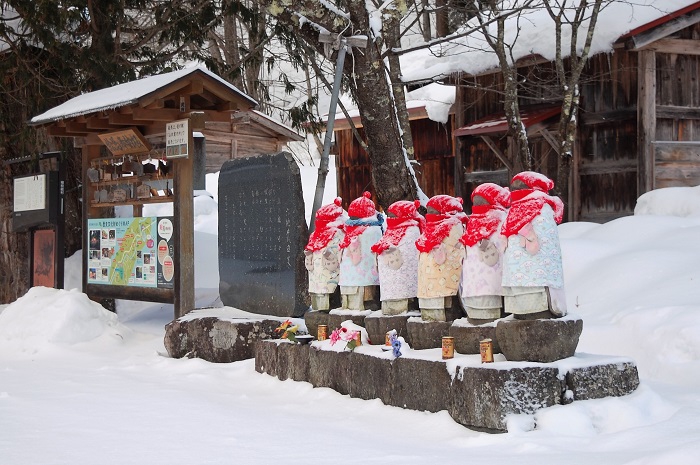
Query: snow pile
<point x="636" y="282"/>
<point x="676" y="201"/>
<point x="44" y="317"/>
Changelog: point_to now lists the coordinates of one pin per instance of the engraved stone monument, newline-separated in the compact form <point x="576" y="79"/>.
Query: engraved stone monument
<point x="262" y="235"/>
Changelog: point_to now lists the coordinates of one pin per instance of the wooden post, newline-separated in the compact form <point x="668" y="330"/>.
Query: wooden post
<point x="89" y="152"/>
<point x="646" y="119"/>
<point x="183" y="209"/>
<point x="457" y="121"/>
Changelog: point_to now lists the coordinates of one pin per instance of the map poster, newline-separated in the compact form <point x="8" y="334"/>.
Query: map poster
<point x="135" y="252"/>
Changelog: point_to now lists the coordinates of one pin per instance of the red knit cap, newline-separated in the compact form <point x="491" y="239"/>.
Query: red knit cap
<point x="404" y="208"/>
<point x="331" y="211"/>
<point x="362" y="207"/>
<point x="493" y="194"/>
<point x="445" y="204"/>
<point x="534" y="180"/>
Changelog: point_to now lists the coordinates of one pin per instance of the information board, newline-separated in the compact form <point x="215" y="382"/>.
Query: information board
<point x="30" y="193"/>
<point x="131" y="252"/>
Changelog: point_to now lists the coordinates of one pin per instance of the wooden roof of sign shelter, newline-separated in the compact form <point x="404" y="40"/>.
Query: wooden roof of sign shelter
<point x="141" y="109"/>
<point x="147" y="104"/>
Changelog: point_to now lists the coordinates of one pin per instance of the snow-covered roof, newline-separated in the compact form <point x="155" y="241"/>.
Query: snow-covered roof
<point x="533" y="33"/>
<point x="125" y="94"/>
<point x="434" y="100"/>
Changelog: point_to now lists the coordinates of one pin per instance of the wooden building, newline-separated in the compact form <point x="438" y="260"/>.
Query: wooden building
<point x="118" y="129"/>
<point x="434" y="157"/>
<point x="638" y="126"/>
<point x="249" y="133"/>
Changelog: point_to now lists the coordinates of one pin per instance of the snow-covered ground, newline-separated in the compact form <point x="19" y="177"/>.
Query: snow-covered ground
<point x="79" y="385"/>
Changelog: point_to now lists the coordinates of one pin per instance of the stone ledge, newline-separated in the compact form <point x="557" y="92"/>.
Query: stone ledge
<point x="216" y="340"/>
<point x="475" y="395"/>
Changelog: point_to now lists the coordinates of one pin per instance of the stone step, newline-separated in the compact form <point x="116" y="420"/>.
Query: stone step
<point x="479" y="396"/>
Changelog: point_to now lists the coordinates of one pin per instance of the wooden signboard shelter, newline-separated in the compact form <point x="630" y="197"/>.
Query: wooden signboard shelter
<point x="127" y="122"/>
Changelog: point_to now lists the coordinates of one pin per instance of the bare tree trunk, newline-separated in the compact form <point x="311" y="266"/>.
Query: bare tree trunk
<point x="522" y="158"/>
<point x="426" y="25"/>
<point x="569" y="79"/>
<point x="390" y="174"/>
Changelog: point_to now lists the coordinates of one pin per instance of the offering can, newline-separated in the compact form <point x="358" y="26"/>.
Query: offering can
<point x="387" y="338"/>
<point x="358" y="339"/>
<point x="486" y="350"/>
<point x="448" y="347"/>
<point x="322" y="332"/>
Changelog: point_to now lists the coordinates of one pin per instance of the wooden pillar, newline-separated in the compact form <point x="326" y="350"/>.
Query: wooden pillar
<point x="183" y="209"/>
<point x="457" y="121"/>
<point x="575" y="182"/>
<point x="89" y="152"/>
<point x="646" y="119"/>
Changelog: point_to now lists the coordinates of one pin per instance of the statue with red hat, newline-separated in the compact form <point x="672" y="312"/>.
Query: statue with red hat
<point x="397" y="256"/>
<point x="358" y="265"/>
<point x="481" y="292"/>
<point x="322" y="253"/>
<point x="441" y="255"/>
<point x="533" y="276"/>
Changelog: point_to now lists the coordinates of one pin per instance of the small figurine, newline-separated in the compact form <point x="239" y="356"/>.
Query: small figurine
<point x="441" y="255"/>
<point x="533" y="277"/>
<point x="358" y="265"/>
<point x="482" y="271"/>
<point x="322" y="253"/>
<point x="397" y="256"/>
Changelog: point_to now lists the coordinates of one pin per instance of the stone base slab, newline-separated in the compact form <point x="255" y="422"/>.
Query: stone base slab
<point x="543" y="340"/>
<point x="476" y="395"/>
<point x="467" y="337"/>
<point x="427" y="334"/>
<point x="378" y="324"/>
<point x="313" y="319"/>
<point x="337" y="316"/>
<point x="216" y="340"/>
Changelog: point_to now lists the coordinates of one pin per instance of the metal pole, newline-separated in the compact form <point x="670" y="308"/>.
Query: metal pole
<point x="323" y="168"/>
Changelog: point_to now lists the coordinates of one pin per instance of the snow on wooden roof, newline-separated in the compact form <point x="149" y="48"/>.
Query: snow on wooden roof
<point x="533" y="33"/>
<point x="498" y="122"/>
<point x="126" y="94"/>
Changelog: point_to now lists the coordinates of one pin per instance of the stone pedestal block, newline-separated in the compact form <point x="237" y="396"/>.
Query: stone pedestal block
<point x="330" y="369"/>
<point x="370" y="377"/>
<point x="216" y="340"/>
<point x="292" y="361"/>
<point x="483" y="397"/>
<point x="538" y="340"/>
<point x="334" y="319"/>
<point x="427" y="334"/>
<point x="266" y="357"/>
<point x="467" y="338"/>
<point x="315" y="318"/>
<point x="420" y="385"/>
<point x="603" y="380"/>
<point x="377" y="325"/>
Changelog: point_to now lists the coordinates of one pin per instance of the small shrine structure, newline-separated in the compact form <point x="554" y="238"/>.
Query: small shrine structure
<point x="123" y="131"/>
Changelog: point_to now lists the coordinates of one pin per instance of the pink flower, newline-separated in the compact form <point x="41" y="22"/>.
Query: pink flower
<point x="335" y="336"/>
